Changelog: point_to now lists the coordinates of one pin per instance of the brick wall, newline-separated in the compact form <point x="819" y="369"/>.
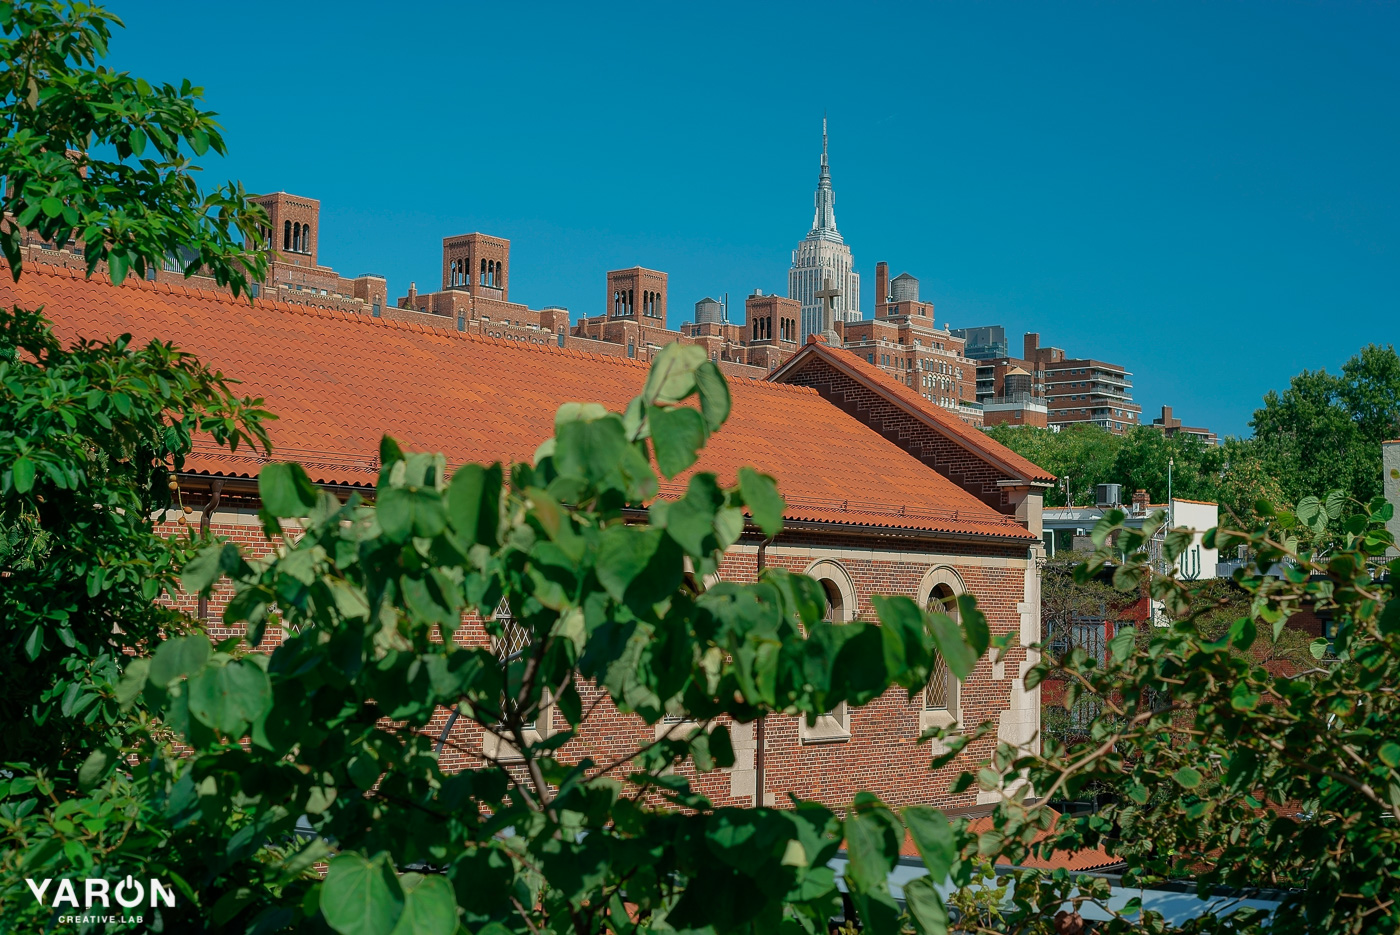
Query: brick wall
<point x="880" y="754"/>
<point x="967" y="470"/>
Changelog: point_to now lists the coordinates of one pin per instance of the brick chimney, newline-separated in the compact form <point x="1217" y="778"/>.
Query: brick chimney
<point x="1139" y="501"/>
<point x="1031" y="344"/>
<point x="882" y="287"/>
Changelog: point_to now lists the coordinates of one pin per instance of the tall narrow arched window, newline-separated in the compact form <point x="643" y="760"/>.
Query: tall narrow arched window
<point x="941" y="588"/>
<point x="833" y="726"/>
<point x="631" y="301"/>
<point x="287" y="235"/>
<point x="306" y="238"/>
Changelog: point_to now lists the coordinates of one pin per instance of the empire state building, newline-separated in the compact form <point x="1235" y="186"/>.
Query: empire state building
<point x="823" y="257"/>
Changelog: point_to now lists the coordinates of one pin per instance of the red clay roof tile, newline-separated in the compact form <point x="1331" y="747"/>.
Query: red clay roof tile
<point x="339" y="382"/>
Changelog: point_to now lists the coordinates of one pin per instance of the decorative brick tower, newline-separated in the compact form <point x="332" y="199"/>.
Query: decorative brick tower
<point x="637" y="293"/>
<point x="295" y="226"/>
<point x="478" y="264"/>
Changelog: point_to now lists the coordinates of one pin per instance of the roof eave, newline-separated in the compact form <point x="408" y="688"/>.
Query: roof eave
<point x="844" y="367"/>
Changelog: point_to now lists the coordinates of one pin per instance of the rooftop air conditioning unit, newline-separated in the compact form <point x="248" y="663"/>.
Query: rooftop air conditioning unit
<point x="1108" y="495"/>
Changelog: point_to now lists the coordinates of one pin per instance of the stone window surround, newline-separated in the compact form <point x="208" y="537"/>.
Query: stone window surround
<point x="950" y="716"/>
<point x="835" y="726"/>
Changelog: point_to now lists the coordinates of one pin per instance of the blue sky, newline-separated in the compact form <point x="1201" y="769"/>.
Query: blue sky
<point x="1204" y="193"/>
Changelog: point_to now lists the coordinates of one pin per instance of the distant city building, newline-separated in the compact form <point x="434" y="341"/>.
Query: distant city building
<point x="1172" y="426"/>
<point x="824" y="260"/>
<point x="985" y="343"/>
<point x="1072" y="391"/>
<point x="903" y="341"/>
<point x="635" y="325"/>
<point x="475" y="296"/>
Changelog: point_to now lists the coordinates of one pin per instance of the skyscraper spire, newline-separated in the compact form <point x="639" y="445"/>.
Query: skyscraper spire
<point x="824" y="220"/>
<point x="823" y="276"/>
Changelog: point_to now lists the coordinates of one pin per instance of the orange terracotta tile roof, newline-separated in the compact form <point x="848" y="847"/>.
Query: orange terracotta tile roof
<point x="975" y="440"/>
<point x="1088" y="858"/>
<point x="338" y="381"/>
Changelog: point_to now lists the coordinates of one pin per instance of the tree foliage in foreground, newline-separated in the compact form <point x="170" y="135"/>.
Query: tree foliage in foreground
<point x="230" y="750"/>
<point x="89" y="436"/>
<point x="1224" y="771"/>
<point x="104" y="157"/>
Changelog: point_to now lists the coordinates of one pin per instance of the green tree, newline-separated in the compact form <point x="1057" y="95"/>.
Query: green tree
<point x="1221" y="769"/>
<point x="229" y="749"/>
<point x="1326" y="430"/>
<point x="89" y="434"/>
<point x="1085" y="453"/>
<point x="95" y="154"/>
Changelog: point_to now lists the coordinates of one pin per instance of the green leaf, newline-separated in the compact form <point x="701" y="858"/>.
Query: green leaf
<point x="23" y="473"/>
<point x="117" y="265"/>
<point x="691" y="519"/>
<point x="1187" y="778"/>
<point x="948" y="637"/>
<point x="34" y="642"/>
<point x="136" y="139"/>
<point x="974" y="624"/>
<point x="672" y="374"/>
<point x="184" y="655"/>
<point x="410" y="511"/>
<point x="1390" y="753"/>
<point x="228" y="698"/>
<point x="933" y="836"/>
<point x="361" y="897"/>
<point x="95" y="767"/>
<point x="766" y="505"/>
<point x="926" y="906"/>
<point x="1121" y="646"/>
<point x="285" y="490"/>
<point x="714" y="394"/>
<point x="677" y="435"/>
<point x="474" y="503"/>
<point x="1319" y="646"/>
<point x="133" y="682"/>
<point x="623" y="553"/>
<point x="430" y="906"/>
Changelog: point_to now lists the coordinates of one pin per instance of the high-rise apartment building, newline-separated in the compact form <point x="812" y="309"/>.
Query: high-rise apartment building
<point x="1062" y="390"/>
<point x="985" y="343"/>
<point x="823" y="262"/>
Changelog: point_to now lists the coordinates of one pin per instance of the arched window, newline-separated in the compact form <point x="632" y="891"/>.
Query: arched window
<point x="835" y="725"/>
<point x="631" y="301"/>
<point x="940" y="589"/>
<point x="287" y="235"/>
<point x="306" y="238"/>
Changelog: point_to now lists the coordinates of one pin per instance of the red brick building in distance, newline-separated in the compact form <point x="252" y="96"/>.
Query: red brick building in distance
<point x="904" y="342"/>
<point x="1063" y="391"/>
<point x="1171" y="426"/>
<point x="887" y="493"/>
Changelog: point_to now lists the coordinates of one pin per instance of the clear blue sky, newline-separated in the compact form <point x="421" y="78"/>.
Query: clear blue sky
<point x="1206" y="193"/>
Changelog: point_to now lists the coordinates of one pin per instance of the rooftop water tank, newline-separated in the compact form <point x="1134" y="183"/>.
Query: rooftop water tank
<point x="707" y="310"/>
<point x="904" y="288"/>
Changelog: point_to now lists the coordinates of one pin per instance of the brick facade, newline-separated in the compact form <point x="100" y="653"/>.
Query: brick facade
<point x="878" y="750"/>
